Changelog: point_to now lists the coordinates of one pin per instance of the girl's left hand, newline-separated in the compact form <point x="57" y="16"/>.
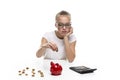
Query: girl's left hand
<point x="69" y="33"/>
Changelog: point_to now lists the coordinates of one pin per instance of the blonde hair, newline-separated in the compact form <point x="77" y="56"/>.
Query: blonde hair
<point x="62" y="13"/>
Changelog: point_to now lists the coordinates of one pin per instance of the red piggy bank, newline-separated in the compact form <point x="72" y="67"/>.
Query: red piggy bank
<point x="55" y="68"/>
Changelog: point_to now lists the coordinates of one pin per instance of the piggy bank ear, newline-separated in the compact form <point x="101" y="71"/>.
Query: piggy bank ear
<point x="57" y="64"/>
<point x="51" y="63"/>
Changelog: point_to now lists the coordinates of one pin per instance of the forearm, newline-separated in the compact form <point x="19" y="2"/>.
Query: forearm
<point x="69" y="52"/>
<point x="40" y="52"/>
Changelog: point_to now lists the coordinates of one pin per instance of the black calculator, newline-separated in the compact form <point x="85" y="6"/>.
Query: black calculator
<point x="82" y="69"/>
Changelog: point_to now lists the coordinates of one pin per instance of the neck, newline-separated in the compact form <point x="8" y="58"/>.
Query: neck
<point x="58" y="35"/>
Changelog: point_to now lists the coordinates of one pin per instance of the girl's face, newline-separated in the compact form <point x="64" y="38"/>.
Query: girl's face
<point x="63" y="25"/>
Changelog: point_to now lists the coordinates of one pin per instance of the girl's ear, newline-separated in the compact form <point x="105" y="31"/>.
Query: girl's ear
<point x="56" y="25"/>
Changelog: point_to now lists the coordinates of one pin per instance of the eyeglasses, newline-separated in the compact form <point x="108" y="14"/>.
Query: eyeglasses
<point x="61" y="25"/>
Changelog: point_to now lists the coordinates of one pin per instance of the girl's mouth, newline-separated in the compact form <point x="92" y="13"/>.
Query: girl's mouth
<point x="64" y="31"/>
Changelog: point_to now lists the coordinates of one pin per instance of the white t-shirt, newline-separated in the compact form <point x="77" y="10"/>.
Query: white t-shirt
<point x="50" y="54"/>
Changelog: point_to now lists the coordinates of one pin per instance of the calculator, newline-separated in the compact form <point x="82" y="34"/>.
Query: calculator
<point x="82" y="69"/>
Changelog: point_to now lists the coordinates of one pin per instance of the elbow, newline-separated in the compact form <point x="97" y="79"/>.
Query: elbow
<point x="37" y="55"/>
<point x="71" y="59"/>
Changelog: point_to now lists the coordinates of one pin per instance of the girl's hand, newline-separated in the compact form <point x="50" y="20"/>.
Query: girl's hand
<point x="53" y="46"/>
<point x="50" y="45"/>
<point x="71" y="31"/>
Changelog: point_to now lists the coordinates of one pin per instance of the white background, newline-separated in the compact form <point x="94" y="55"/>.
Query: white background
<point x="96" y="25"/>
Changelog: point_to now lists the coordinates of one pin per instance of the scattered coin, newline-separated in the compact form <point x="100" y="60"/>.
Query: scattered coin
<point x="26" y="70"/>
<point x="33" y="75"/>
<point x="33" y="69"/>
<point x="26" y="74"/>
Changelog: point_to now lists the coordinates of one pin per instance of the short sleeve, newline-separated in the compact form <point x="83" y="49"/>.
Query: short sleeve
<point x="46" y="35"/>
<point x="72" y="38"/>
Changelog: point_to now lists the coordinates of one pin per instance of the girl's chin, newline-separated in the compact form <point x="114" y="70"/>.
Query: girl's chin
<point x="63" y="35"/>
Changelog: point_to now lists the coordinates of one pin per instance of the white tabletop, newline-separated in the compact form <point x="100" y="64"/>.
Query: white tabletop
<point x="10" y="71"/>
<point x="44" y="66"/>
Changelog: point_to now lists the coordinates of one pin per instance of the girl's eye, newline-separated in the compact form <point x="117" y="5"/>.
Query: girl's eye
<point x="67" y="24"/>
<point x="60" y="25"/>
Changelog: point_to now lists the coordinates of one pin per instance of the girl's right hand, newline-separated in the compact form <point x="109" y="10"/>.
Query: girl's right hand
<point x="51" y="45"/>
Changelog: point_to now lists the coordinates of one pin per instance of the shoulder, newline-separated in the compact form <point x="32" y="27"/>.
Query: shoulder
<point x="49" y="32"/>
<point x="47" y="35"/>
<point x="72" y="35"/>
<point x="72" y="38"/>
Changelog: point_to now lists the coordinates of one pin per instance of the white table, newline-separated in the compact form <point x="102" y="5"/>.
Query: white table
<point x="9" y="70"/>
<point x="44" y="66"/>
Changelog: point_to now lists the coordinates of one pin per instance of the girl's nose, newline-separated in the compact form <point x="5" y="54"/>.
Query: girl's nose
<point x="64" y="27"/>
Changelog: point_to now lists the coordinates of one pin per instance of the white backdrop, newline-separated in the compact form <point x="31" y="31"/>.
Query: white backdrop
<point x="96" y="25"/>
